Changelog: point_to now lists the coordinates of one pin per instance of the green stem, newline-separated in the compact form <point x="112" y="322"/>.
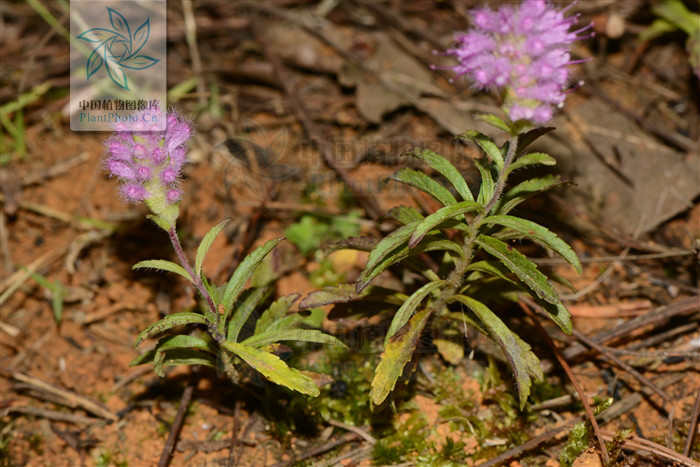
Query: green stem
<point x="456" y="277"/>
<point x="198" y="284"/>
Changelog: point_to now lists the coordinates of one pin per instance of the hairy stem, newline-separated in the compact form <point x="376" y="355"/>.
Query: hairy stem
<point x="456" y="277"/>
<point x="196" y="280"/>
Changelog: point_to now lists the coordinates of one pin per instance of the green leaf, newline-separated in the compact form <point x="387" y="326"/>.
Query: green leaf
<point x="559" y="314"/>
<point x="299" y="335"/>
<point x="676" y="13"/>
<point x="519" y="359"/>
<point x="243" y="273"/>
<point x="242" y="313"/>
<point x="444" y="167"/>
<point x="345" y="293"/>
<point x="492" y="268"/>
<point x="424" y="183"/>
<point x="175" y="357"/>
<point x="533" y="158"/>
<point x="390" y="243"/>
<point x="180" y="342"/>
<point x="487" y="183"/>
<point x="290" y="321"/>
<point x="277" y="310"/>
<point x="169" y="322"/>
<point x="657" y="28"/>
<point x="526" y="139"/>
<point x="206" y="244"/>
<point x="405" y="214"/>
<point x="274" y="369"/>
<point x="538" y="233"/>
<point x="163" y="265"/>
<point x="404" y="313"/>
<point x="525" y="190"/>
<point x="396" y="354"/>
<point x="487" y="144"/>
<point x="440" y="216"/>
<point x="429" y="243"/>
<point x="495" y="122"/>
<point x="525" y="269"/>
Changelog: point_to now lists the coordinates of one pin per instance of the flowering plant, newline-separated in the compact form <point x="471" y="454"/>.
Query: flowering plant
<point x="522" y="53"/>
<point x="149" y="165"/>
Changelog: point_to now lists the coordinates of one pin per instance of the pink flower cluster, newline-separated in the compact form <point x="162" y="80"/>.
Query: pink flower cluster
<point x="523" y="51"/>
<point x="148" y="162"/>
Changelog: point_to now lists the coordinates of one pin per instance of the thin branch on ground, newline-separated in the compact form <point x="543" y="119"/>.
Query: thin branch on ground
<point x="366" y="436"/>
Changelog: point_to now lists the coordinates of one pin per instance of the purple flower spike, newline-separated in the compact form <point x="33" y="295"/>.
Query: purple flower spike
<point x="522" y="51"/>
<point x="150" y="162"/>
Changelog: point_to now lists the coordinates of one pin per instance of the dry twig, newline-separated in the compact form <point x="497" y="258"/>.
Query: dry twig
<point x="179" y="418"/>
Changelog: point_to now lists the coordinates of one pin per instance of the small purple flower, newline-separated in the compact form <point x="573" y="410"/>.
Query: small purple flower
<point x="522" y="51"/>
<point x="149" y="163"/>
<point x="134" y="192"/>
<point x="173" y="195"/>
<point x="168" y="176"/>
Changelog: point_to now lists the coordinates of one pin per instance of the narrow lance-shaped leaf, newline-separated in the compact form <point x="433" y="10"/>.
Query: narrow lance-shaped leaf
<point x="275" y="312"/>
<point x="495" y="122"/>
<point x="298" y="335"/>
<point x="345" y="293"/>
<point x="169" y="322"/>
<point x="244" y="271"/>
<point x="440" y="216"/>
<point x="533" y="158"/>
<point x="404" y="313"/>
<point x="406" y="214"/>
<point x="206" y="244"/>
<point x="487" y="183"/>
<point x="525" y="269"/>
<point x="526" y="139"/>
<point x="506" y="340"/>
<point x="242" y="312"/>
<point x="274" y="369"/>
<point x="429" y="243"/>
<point x="525" y="190"/>
<point x="449" y="171"/>
<point x="163" y="265"/>
<point x="424" y="183"/>
<point x="487" y="144"/>
<point x="539" y="234"/>
<point x="396" y="354"/>
<point x="170" y="345"/>
<point x="559" y="314"/>
<point x="389" y="243"/>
